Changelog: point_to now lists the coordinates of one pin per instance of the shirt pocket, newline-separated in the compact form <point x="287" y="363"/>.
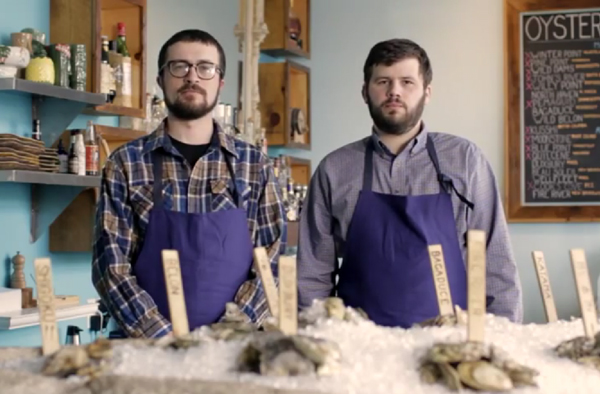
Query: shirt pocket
<point x="222" y="195"/>
<point x="142" y="198"/>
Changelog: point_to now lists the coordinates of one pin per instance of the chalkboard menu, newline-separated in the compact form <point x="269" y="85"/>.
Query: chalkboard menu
<point x="560" y="107"/>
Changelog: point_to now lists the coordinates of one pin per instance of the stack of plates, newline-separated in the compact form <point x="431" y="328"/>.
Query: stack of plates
<point x="20" y="153"/>
<point x="49" y="161"/>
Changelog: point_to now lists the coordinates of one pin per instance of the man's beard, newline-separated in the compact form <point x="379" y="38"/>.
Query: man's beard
<point x="401" y="126"/>
<point x="187" y="110"/>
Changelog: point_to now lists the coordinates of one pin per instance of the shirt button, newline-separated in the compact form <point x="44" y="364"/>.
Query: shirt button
<point x="397" y="191"/>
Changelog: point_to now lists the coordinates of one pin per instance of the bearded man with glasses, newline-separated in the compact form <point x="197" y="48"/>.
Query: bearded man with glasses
<point x="190" y="187"/>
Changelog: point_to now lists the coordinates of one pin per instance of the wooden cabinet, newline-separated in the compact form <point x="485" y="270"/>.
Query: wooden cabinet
<point x="301" y="171"/>
<point x="288" y="22"/>
<point x="85" y="22"/>
<point x="285" y="104"/>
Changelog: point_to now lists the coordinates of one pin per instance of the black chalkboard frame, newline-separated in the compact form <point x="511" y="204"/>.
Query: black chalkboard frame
<point x="516" y="211"/>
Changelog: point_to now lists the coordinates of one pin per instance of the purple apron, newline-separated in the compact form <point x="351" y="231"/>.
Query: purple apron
<point x="386" y="269"/>
<point x="215" y="252"/>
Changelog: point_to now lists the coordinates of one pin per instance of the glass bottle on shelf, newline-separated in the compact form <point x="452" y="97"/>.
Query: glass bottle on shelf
<point x="121" y="41"/>
<point x="283" y="176"/>
<point x="91" y="150"/>
<point x="293" y="201"/>
<point x="80" y="152"/>
<point x="36" y="133"/>
<point x="117" y="71"/>
<point x="63" y="158"/>
<point x="107" y="85"/>
<point x="73" y="160"/>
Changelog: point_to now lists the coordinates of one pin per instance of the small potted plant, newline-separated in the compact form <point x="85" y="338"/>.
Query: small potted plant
<point x="41" y="67"/>
<point x="12" y="59"/>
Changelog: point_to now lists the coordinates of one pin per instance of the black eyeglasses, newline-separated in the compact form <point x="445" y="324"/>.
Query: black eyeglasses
<point x="181" y="68"/>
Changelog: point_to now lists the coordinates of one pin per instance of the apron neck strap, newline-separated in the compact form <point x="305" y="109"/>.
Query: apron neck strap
<point x="157" y="164"/>
<point x="368" y="171"/>
<point x="445" y="182"/>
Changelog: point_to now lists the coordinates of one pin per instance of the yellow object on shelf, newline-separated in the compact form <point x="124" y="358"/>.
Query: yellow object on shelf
<point x="40" y="69"/>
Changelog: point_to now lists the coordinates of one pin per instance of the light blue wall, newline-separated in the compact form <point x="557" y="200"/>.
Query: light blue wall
<point x="71" y="270"/>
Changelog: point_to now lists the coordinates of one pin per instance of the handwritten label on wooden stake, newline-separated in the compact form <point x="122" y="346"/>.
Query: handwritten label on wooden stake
<point x="263" y="266"/>
<point x="476" y="278"/>
<point x="440" y="279"/>
<point x="46" y="307"/>
<point x="584" y="292"/>
<point x="175" y="295"/>
<point x="544" y="281"/>
<point x="288" y="296"/>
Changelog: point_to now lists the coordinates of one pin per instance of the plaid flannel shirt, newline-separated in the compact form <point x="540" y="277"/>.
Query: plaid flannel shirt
<point x="125" y="203"/>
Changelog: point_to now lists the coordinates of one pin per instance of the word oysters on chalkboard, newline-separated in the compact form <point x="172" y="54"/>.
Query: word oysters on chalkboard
<point x="560" y="116"/>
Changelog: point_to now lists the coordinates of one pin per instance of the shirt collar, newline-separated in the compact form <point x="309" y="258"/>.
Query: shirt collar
<point x="160" y="139"/>
<point x="417" y="144"/>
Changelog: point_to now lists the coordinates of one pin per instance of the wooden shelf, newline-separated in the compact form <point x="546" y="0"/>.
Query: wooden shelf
<point x="48" y="91"/>
<point x="48" y="178"/>
<point x="31" y="316"/>
<point x="277" y="18"/>
<point x="114" y="110"/>
<point x="284" y="86"/>
<point x="70" y="22"/>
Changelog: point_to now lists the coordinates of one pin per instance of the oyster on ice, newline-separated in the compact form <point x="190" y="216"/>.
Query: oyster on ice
<point x="235" y="324"/>
<point x="439" y="321"/>
<point x="458" y="318"/>
<point x="474" y="365"/>
<point x="330" y="308"/>
<point x="181" y="342"/>
<point x="272" y="353"/>
<point x="581" y="349"/>
<point x="89" y="360"/>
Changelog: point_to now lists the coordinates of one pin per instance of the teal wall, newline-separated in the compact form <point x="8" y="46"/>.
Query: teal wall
<point x="71" y="270"/>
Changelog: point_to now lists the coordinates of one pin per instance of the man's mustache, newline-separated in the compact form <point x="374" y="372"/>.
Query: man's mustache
<point x="394" y="102"/>
<point x="194" y="88"/>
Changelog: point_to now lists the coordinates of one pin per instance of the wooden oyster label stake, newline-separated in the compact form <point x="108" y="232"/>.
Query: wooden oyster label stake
<point x="175" y="295"/>
<point x="584" y="292"/>
<point x="440" y="279"/>
<point x="288" y="296"/>
<point x="544" y="281"/>
<point x="46" y="307"/>
<point x="476" y="279"/>
<point x="263" y="266"/>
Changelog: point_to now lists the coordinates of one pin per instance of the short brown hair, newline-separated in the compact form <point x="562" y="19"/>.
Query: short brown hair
<point x="392" y="51"/>
<point x="193" y="35"/>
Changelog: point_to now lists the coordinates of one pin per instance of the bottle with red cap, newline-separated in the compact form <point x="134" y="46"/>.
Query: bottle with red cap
<point x="121" y="43"/>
